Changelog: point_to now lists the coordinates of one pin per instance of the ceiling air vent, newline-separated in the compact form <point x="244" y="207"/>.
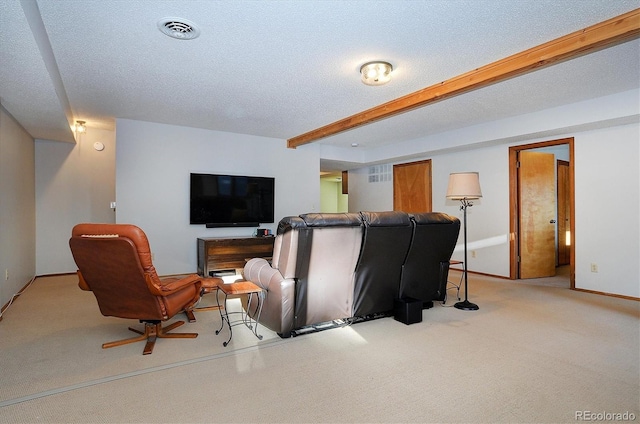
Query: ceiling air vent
<point x="178" y="28"/>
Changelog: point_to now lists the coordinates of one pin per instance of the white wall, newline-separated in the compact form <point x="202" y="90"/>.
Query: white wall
<point x="488" y="218"/>
<point x="607" y="189"/>
<point x="17" y="208"/>
<point x="367" y="193"/>
<point x="607" y="172"/>
<point x="74" y="183"/>
<point x="153" y="163"/>
<point x="603" y="112"/>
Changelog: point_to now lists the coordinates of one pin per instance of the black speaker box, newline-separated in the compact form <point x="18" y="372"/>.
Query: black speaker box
<point x="407" y="310"/>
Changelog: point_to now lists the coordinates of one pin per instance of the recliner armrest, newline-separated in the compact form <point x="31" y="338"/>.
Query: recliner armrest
<point x="279" y="303"/>
<point x="260" y="272"/>
<point x="172" y="284"/>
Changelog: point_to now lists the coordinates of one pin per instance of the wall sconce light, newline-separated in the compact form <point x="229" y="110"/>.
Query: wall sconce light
<point x="81" y="127"/>
<point x="376" y="73"/>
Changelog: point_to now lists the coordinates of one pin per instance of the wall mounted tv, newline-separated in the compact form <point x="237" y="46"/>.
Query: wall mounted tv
<point x="231" y="200"/>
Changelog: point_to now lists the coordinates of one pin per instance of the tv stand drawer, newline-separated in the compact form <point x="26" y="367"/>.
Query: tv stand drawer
<point x="225" y="253"/>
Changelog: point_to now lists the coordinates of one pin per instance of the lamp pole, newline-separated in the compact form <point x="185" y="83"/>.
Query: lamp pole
<point x="465" y="304"/>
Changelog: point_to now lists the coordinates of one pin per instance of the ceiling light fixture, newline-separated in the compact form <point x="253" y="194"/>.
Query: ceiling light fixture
<point x="179" y="28"/>
<point x="376" y="73"/>
<point x="81" y="127"/>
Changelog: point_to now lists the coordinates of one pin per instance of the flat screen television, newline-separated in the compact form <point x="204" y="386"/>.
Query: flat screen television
<point x="231" y="200"/>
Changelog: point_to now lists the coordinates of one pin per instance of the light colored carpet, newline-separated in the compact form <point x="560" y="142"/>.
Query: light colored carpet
<point x="532" y="353"/>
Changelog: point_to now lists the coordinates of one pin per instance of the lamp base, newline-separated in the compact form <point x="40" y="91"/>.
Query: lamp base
<point x="465" y="305"/>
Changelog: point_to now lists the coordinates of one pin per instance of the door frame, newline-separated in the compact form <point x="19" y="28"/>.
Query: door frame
<point x="514" y="205"/>
<point x="563" y="203"/>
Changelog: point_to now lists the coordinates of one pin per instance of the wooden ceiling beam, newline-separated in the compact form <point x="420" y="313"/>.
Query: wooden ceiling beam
<point x="596" y="37"/>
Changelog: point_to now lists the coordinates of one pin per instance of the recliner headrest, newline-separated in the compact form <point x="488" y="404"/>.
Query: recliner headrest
<point x="289" y="223"/>
<point x="427" y="218"/>
<point x="332" y="219"/>
<point x="386" y="219"/>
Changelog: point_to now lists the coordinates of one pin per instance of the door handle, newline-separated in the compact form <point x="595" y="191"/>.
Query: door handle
<point x="553" y="221"/>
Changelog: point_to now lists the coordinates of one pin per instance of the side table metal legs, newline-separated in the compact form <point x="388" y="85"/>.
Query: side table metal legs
<point x="245" y="319"/>
<point x="223" y="318"/>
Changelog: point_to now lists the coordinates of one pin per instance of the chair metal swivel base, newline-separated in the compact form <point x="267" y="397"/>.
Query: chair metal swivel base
<point x="152" y="330"/>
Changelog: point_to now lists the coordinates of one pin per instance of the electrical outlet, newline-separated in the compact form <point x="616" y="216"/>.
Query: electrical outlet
<point x="6" y="274"/>
<point x="473" y="253"/>
<point x="594" y="267"/>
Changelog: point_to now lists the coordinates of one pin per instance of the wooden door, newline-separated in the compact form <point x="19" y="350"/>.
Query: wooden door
<point x="564" y="213"/>
<point x="412" y="187"/>
<point x="345" y="182"/>
<point x="537" y="198"/>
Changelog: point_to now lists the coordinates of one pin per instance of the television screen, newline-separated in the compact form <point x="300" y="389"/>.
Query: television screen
<point x="231" y="200"/>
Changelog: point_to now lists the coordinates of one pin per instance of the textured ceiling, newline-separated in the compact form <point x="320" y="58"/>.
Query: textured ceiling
<point x="282" y="68"/>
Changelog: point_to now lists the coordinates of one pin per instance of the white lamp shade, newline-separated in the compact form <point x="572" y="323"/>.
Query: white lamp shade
<point x="464" y="185"/>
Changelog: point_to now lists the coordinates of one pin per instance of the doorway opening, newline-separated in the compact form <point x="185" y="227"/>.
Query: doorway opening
<point x="541" y="200"/>
<point x="334" y="194"/>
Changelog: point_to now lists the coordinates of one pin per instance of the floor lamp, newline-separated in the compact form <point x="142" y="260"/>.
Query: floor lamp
<point x="465" y="186"/>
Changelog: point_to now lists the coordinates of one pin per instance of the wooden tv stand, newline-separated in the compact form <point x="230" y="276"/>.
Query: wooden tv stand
<point x="217" y="254"/>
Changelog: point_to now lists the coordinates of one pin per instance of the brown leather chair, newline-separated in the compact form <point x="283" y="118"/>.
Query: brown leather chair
<point x="114" y="262"/>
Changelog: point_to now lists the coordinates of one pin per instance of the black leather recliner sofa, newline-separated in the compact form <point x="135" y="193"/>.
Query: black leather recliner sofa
<point x="343" y="265"/>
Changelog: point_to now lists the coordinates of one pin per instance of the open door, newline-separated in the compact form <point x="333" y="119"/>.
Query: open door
<point x="519" y="221"/>
<point x="537" y="198"/>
